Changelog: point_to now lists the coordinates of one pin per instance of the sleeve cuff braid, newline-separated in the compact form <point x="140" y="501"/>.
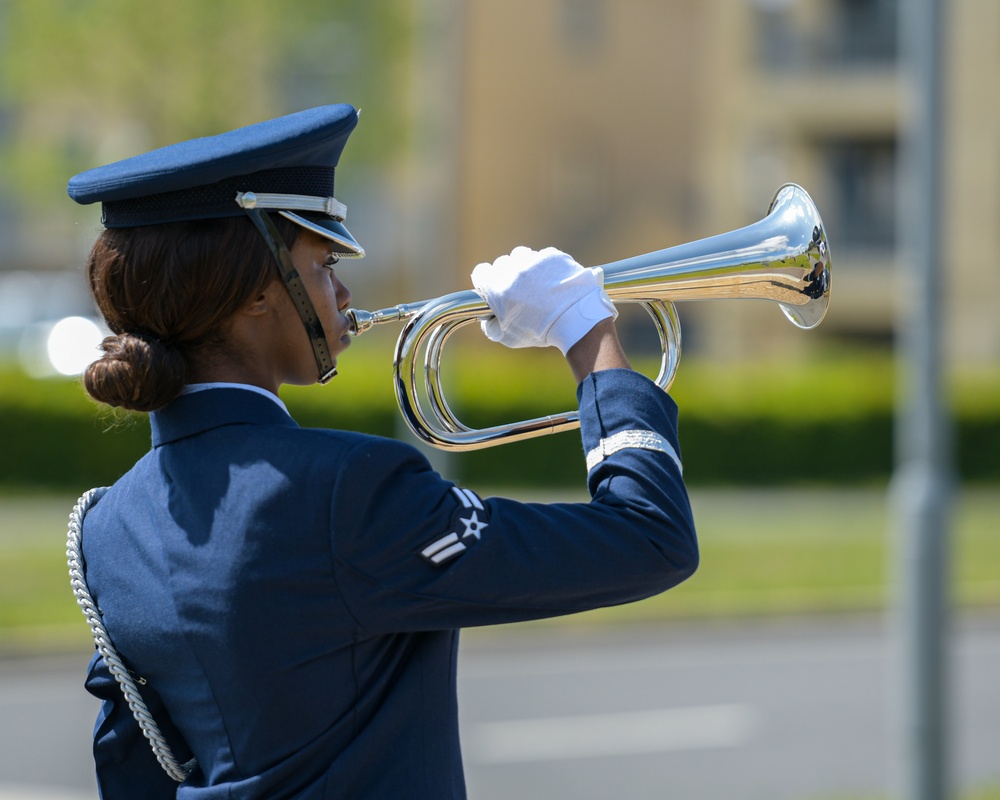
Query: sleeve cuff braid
<point x="634" y="439"/>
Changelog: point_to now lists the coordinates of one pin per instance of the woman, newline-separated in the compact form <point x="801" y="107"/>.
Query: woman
<point x="291" y="597"/>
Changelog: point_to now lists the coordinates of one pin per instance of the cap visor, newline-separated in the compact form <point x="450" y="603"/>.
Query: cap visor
<point x="344" y="243"/>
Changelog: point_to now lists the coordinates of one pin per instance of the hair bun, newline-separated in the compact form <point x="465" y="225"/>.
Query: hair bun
<point x="138" y="372"/>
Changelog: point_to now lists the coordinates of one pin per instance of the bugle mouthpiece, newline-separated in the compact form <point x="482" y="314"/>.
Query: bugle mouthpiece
<point x="358" y="321"/>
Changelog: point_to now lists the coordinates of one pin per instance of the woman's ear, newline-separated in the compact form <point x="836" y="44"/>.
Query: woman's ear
<point x="265" y="301"/>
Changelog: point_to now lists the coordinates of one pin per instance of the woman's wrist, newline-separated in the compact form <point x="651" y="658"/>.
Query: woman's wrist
<point x="598" y="350"/>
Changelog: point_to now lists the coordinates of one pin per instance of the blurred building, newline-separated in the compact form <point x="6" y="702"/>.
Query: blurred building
<point x="611" y="128"/>
<point x="614" y="127"/>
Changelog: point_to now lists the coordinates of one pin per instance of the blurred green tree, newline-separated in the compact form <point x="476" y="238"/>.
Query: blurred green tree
<point x="84" y="82"/>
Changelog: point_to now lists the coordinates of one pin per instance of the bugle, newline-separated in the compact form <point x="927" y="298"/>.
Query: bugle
<point x="784" y="257"/>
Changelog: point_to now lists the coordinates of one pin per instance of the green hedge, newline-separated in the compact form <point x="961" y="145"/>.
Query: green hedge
<point x="826" y="422"/>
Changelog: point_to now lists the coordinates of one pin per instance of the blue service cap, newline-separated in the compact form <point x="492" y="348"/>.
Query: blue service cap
<point x="285" y="164"/>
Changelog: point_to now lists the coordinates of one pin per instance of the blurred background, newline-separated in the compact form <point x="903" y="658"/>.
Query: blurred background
<point x="607" y="128"/>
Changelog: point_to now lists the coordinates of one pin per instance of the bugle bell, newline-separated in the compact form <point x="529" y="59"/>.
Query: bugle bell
<point x="784" y="257"/>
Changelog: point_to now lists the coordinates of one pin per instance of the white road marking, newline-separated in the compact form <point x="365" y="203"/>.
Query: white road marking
<point x="614" y="734"/>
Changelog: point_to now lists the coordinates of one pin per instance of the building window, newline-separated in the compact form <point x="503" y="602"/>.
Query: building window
<point x="864" y="32"/>
<point x="583" y="24"/>
<point x="842" y="34"/>
<point x="779" y="43"/>
<point x="861" y="213"/>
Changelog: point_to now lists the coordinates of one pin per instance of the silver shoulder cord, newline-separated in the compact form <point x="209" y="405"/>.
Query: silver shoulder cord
<point x="74" y="555"/>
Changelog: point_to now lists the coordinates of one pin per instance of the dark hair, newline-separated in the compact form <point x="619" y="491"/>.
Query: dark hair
<point x="166" y="292"/>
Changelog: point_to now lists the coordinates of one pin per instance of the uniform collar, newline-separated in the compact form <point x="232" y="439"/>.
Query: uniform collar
<point x="191" y="388"/>
<point x="200" y="411"/>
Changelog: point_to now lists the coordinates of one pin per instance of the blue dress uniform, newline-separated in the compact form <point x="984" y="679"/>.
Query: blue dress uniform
<point x="292" y="596"/>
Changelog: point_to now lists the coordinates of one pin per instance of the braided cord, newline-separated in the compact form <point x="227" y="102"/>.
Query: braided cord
<point x="74" y="555"/>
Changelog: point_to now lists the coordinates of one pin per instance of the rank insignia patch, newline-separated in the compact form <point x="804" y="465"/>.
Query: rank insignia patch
<point x="467" y="498"/>
<point x="467" y="528"/>
<point x="443" y="549"/>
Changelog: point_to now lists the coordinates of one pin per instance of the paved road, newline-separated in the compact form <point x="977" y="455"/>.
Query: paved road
<point x="763" y="710"/>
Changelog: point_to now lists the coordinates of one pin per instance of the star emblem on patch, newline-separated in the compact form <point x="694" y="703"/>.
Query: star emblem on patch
<point x="473" y="526"/>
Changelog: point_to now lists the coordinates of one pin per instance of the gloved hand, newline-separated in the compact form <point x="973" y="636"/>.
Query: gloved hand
<point x="541" y="299"/>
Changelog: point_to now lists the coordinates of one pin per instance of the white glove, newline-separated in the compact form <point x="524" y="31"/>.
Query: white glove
<point x="541" y="299"/>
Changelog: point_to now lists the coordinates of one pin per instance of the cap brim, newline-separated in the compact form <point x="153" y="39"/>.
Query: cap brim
<point x="345" y="245"/>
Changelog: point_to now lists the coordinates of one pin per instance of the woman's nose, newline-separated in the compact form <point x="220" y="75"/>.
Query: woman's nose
<point x="343" y="294"/>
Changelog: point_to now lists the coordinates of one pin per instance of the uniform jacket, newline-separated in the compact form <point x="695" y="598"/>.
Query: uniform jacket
<point x="292" y="596"/>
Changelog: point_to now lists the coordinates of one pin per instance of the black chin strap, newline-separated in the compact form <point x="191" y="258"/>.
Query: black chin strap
<point x="297" y="290"/>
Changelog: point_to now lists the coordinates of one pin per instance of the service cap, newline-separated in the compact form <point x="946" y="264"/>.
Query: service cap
<point x="285" y="164"/>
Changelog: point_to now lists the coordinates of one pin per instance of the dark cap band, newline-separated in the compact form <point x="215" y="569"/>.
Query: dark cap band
<point x="215" y="200"/>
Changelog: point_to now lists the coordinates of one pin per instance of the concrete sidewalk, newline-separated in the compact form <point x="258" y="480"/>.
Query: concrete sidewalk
<point x="14" y="792"/>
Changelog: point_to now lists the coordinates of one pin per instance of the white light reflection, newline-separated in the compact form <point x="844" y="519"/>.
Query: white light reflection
<point x="64" y="347"/>
<point x="73" y="343"/>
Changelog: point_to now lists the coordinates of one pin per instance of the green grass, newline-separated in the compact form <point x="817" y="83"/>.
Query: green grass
<point x="780" y="551"/>
<point x="819" y="551"/>
<point x="793" y="551"/>
<point x="979" y="793"/>
<point x="37" y="609"/>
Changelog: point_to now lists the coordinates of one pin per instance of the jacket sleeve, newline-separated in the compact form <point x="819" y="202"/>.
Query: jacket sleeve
<point x="127" y="768"/>
<point x="414" y="551"/>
